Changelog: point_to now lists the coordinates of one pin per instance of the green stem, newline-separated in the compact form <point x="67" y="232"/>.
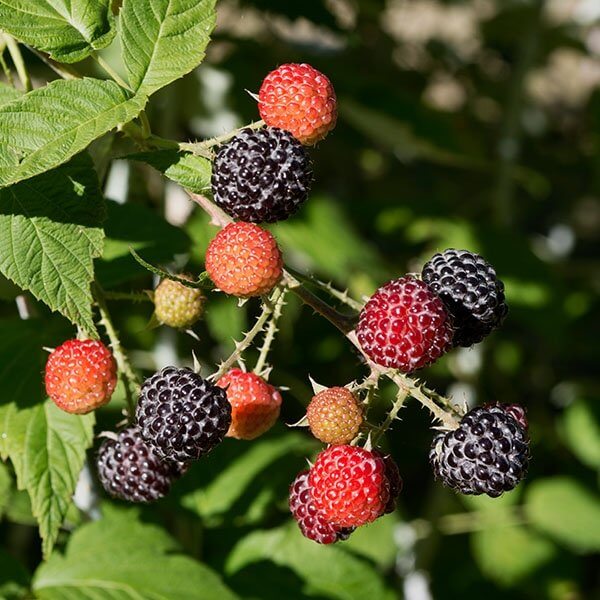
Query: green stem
<point x="241" y="347"/>
<point x="202" y="147"/>
<point x="128" y="376"/>
<point x="259" y="368"/>
<point x="132" y="296"/>
<point x="391" y="416"/>
<point x="17" y="58"/>
<point x="113" y="74"/>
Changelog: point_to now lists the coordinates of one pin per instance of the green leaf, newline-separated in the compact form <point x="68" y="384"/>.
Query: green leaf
<point x="47" y="449"/>
<point x="510" y="554"/>
<point x="236" y="473"/>
<point x="6" y="487"/>
<point x="49" y="235"/>
<point x="158" y="239"/>
<point x="120" y="558"/>
<point x="376" y="541"/>
<point x="188" y="170"/>
<point x="581" y="430"/>
<point x="46" y="127"/>
<point x="8" y="93"/>
<point x="68" y="30"/>
<point x="327" y="571"/>
<point x="565" y="510"/>
<point x="163" y="40"/>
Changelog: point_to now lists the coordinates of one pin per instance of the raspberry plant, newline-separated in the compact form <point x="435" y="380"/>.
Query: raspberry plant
<point x="57" y="139"/>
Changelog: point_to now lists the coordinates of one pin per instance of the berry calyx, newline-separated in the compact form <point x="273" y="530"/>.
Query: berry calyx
<point x="261" y="176"/>
<point x="334" y="416"/>
<point x="181" y="415"/>
<point x="487" y="454"/>
<point x="255" y="404"/>
<point x="310" y="519"/>
<point x="177" y="305"/>
<point x="471" y="291"/>
<point x="81" y="375"/>
<point x="404" y="325"/>
<point x="244" y="260"/>
<point x="129" y="468"/>
<point x="349" y="485"/>
<point x="299" y="99"/>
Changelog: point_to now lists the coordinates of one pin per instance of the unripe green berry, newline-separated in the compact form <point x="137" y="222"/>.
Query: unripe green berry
<point x="177" y="305"/>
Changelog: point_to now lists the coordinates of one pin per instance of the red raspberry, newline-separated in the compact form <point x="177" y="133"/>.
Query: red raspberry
<point x="349" y="485"/>
<point x="334" y="416"/>
<point x="404" y="326"/>
<point x="254" y="403"/>
<point x="310" y="519"/>
<point x="81" y="375"/>
<point x="244" y="260"/>
<point x="299" y="99"/>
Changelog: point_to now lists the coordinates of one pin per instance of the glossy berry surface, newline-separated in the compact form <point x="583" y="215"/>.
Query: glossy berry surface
<point x="255" y="404"/>
<point x="349" y="485"/>
<point x="487" y="454"/>
<point x="261" y="176"/>
<point x="471" y="291"/>
<point x="244" y="260"/>
<point x="181" y="415"/>
<point x="129" y="468"/>
<point x="334" y="416"/>
<point x="299" y="99"/>
<point x="80" y="376"/>
<point x="404" y="325"/>
<point x="177" y="305"/>
<point x="310" y="519"/>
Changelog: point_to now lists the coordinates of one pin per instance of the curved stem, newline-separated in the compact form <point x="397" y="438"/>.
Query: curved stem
<point x="133" y="296"/>
<point x="202" y="147"/>
<point x="114" y="75"/>
<point x="17" y="58"/>
<point x="259" y="368"/>
<point x="128" y="377"/>
<point x="241" y="347"/>
<point x="391" y="416"/>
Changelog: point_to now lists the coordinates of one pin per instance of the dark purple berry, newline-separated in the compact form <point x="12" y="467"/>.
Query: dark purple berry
<point x="487" y="454"/>
<point x="181" y="415"/>
<point x="261" y="176"/>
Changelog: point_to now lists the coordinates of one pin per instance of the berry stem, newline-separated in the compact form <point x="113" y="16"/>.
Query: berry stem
<point x="128" y="377"/>
<point x="342" y="296"/>
<point x="217" y="216"/>
<point x="132" y="296"/>
<point x="17" y="58"/>
<point x="259" y="368"/>
<point x="401" y="397"/>
<point x="268" y="307"/>
<point x="113" y="74"/>
<point x="342" y="322"/>
<point x="201" y="148"/>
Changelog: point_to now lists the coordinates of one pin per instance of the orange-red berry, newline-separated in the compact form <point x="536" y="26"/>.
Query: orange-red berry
<point x="81" y="375"/>
<point x="244" y="260"/>
<point x="255" y="404"/>
<point x="299" y="99"/>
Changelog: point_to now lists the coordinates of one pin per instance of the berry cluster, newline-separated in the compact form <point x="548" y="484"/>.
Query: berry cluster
<point x="263" y="175"/>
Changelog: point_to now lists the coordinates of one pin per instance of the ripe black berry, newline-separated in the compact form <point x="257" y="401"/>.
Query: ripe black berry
<point x="471" y="291"/>
<point x="181" y="415"/>
<point x="261" y="176"/>
<point x="311" y="521"/>
<point x="487" y="454"/>
<point x="130" y="469"/>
